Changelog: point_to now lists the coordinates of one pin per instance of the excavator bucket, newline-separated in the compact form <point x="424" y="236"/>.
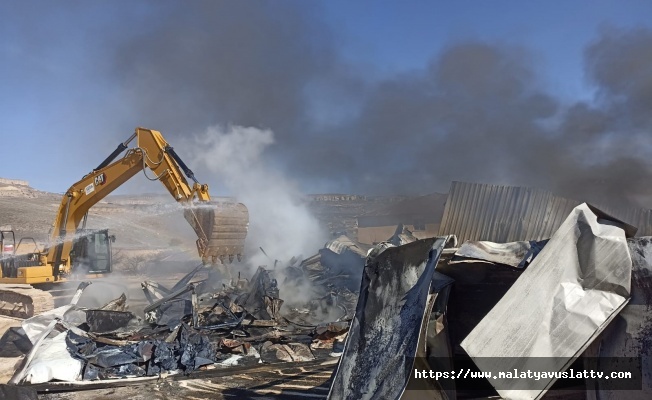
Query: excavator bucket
<point x="221" y="228"/>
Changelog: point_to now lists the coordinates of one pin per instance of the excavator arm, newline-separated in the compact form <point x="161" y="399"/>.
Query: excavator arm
<point x="151" y="153"/>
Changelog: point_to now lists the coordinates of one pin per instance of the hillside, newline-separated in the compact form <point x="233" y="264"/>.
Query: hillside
<point x="155" y="221"/>
<point x="152" y="225"/>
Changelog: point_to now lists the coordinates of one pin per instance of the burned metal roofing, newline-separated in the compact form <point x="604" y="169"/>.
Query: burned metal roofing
<point x="477" y="211"/>
<point x="344" y="243"/>
<point x="550" y="312"/>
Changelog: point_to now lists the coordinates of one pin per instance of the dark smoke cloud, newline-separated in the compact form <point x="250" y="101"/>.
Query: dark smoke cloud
<point x="477" y="112"/>
<point x="244" y="63"/>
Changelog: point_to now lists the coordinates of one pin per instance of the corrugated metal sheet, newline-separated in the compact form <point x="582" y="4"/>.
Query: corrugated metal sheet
<point x="638" y="217"/>
<point x="344" y="243"/>
<point x="476" y="211"/>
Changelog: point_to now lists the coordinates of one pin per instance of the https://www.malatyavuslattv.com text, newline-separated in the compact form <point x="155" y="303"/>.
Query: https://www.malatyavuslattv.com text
<point x="516" y="374"/>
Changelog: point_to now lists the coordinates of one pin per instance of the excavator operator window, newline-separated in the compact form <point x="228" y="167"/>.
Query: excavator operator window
<point x="92" y="253"/>
<point x="100" y="252"/>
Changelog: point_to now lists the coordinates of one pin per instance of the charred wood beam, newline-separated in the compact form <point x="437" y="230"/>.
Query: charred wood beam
<point x="169" y="297"/>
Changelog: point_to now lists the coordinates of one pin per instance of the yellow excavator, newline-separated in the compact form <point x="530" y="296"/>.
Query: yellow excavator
<point x="77" y="253"/>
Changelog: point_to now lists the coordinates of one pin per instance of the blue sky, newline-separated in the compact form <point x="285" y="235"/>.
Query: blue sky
<point x="397" y="36"/>
<point x="64" y="104"/>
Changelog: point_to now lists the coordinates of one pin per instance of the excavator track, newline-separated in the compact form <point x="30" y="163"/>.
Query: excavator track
<point x="23" y="301"/>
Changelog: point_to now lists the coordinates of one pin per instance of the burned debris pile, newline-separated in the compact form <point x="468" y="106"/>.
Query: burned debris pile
<point x="199" y="323"/>
<point x="579" y="301"/>
<point x="403" y="305"/>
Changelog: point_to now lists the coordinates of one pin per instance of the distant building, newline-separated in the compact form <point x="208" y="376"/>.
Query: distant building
<point x="421" y="215"/>
<point x="336" y="197"/>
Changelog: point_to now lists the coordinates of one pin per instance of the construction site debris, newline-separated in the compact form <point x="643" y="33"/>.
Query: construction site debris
<point x="402" y="236"/>
<point x="629" y="335"/>
<point x="290" y="352"/>
<point x="14" y="342"/>
<point x="262" y="300"/>
<point x="586" y="263"/>
<point x="35" y="325"/>
<point x="382" y="341"/>
<point x="119" y="304"/>
<point x="416" y="304"/>
<point x="514" y="254"/>
<point x="492" y="298"/>
<point x="187" y="327"/>
<point x="344" y="259"/>
<point x="107" y="321"/>
<point x="48" y="359"/>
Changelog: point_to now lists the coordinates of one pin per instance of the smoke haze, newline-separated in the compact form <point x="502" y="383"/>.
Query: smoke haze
<point x="477" y="111"/>
<point x="279" y="222"/>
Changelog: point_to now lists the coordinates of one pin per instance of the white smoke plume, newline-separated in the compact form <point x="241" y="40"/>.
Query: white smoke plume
<point x="279" y="221"/>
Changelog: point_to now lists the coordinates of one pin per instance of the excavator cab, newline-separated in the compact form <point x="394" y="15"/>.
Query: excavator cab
<point x="91" y="252"/>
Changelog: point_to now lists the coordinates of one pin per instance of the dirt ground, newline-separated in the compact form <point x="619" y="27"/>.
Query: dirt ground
<point x="310" y="380"/>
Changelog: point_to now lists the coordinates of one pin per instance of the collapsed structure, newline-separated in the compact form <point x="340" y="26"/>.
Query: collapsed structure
<point x="573" y="298"/>
<point x="184" y="328"/>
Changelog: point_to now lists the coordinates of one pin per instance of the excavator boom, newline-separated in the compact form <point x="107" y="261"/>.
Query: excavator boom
<point x="221" y="227"/>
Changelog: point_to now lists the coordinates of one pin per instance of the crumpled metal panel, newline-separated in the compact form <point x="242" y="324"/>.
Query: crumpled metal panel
<point x="35" y="325"/>
<point x="402" y="236"/>
<point x="383" y="337"/>
<point x="577" y="284"/>
<point x="514" y="254"/>
<point x="53" y="362"/>
<point x="262" y="300"/>
<point x="343" y="243"/>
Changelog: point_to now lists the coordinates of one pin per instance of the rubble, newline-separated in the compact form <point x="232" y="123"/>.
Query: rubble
<point x="107" y="321"/>
<point x="262" y="300"/>
<point x="497" y="307"/>
<point x="514" y="254"/>
<point x="188" y="327"/>
<point x="396" y="290"/>
<point x="290" y="352"/>
<point x="578" y="283"/>
<point x="405" y="304"/>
